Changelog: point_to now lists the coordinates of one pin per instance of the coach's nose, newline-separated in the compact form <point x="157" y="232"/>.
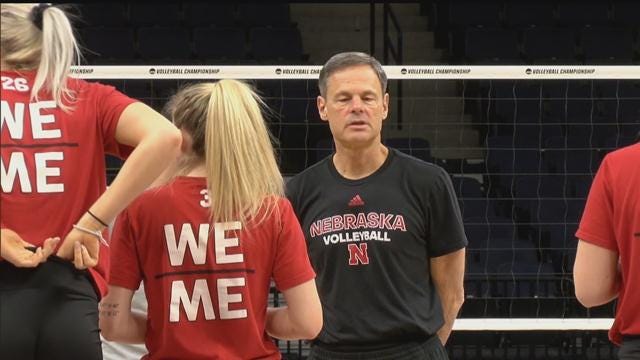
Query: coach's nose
<point x="357" y="105"/>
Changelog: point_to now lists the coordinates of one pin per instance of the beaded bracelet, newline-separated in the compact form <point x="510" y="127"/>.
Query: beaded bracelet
<point x="96" y="233"/>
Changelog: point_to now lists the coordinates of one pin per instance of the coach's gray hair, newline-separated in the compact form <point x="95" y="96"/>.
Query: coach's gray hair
<point x="349" y="59"/>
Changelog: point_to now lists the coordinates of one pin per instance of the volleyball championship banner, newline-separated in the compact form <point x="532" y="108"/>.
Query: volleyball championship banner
<point x="531" y="324"/>
<point x="407" y="72"/>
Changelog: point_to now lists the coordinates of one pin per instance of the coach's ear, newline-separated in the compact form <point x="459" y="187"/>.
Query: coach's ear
<point x="322" y="108"/>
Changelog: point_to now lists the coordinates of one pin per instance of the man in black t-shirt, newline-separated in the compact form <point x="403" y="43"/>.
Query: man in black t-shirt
<point x="383" y="229"/>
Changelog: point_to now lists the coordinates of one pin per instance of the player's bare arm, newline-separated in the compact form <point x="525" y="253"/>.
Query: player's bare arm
<point x="117" y="321"/>
<point x="595" y="274"/>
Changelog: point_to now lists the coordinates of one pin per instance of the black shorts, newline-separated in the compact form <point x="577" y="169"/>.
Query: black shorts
<point x="630" y="348"/>
<point x="430" y="349"/>
<point x="48" y="312"/>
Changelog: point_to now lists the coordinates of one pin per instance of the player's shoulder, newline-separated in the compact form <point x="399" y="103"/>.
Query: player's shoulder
<point x="90" y="87"/>
<point x="626" y="156"/>
<point x="277" y="203"/>
<point x="282" y="203"/>
<point x="160" y="195"/>
<point x="147" y="199"/>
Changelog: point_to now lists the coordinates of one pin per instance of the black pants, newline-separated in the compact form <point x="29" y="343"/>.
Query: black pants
<point x="431" y="349"/>
<point x="49" y="312"/>
<point x="630" y="349"/>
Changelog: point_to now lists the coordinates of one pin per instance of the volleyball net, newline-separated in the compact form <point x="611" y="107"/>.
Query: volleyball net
<point x="521" y="144"/>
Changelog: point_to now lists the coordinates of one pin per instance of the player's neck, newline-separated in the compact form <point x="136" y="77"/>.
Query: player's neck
<point x="358" y="163"/>
<point x="198" y="171"/>
<point x="4" y="66"/>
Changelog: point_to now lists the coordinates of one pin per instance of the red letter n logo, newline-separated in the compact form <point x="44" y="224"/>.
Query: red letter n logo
<point x="358" y="254"/>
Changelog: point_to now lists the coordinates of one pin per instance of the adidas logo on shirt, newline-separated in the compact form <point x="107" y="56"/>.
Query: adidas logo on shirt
<point x="356" y="201"/>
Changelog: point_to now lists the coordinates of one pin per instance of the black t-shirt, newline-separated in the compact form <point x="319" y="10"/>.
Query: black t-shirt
<point x="370" y="241"/>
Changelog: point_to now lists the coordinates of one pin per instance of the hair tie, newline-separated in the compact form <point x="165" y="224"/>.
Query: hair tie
<point x="36" y="14"/>
<point x="97" y="219"/>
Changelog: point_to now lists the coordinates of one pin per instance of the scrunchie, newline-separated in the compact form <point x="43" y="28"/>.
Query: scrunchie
<point x="36" y="14"/>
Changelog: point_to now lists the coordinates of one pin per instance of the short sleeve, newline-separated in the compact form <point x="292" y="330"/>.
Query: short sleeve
<point x="292" y="189"/>
<point x="125" y="269"/>
<point x="596" y="225"/>
<point x="110" y="104"/>
<point x="292" y="266"/>
<point x="444" y="222"/>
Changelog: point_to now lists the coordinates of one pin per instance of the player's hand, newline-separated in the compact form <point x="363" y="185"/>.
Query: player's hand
<point x="82" y="248"/>
<point x="14" y="249"/>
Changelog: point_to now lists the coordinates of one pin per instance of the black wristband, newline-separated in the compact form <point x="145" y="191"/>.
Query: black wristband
<point x="97" y="219"/>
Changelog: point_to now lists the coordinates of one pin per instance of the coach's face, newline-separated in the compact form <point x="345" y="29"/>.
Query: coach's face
<point x="354" y="106"/>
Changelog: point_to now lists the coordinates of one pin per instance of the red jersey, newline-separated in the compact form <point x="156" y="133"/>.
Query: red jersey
<point x="53" y="162"/>
<point x="611" y="220"/>
<point x="207" y="285"/>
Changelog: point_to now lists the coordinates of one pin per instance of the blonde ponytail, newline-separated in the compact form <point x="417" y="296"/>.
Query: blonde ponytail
<point x="230" y="134"/>
<point x="240" y="160"/>
<point x="59" y="51"/>
<point x="50" y="50"/>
